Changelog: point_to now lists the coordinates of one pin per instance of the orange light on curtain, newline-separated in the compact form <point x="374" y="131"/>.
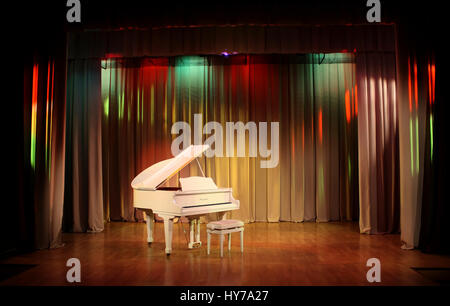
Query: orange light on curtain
<point x="409" y="85"/>
<point x="34" y="98"/>
<point x="320" y="125"/>
<point x="416" y="90"/>
<point x="431" y="82"/>
<point x="347" y="106"/>
<point x="431" y="92"/>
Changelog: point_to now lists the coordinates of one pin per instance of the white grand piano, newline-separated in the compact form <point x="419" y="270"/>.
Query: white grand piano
<point x="197" y="196"/>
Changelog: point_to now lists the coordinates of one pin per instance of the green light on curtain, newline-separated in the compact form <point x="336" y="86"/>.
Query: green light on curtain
<point x="106" y="106"/>
<point x="417" y="145"/>
<point x="138" y="105"/>
<point x="34" y="116"/>
<point x="121" y="104"/>
<point x="129" y="108"/>
<point x="190" y="76"/>
<point x="411" y="145"/>
<point x="106" y="75"/>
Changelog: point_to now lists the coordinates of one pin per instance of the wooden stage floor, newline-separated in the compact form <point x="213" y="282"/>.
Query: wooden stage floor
<point x="274" y="254"/>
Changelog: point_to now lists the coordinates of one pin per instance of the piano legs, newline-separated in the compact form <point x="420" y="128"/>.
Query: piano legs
<point x="194" y="230"/>
<point x="150" y="224"/>
<point x="197" y="234"/>
<point x="168" y="229"/>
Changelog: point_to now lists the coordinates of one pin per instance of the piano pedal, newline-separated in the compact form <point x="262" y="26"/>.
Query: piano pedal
<point x="195" y="245"/>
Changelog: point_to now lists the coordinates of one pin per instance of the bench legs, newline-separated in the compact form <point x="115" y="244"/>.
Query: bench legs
<point x="221" y="245"/>
<point x="222" y="238"/>
<point x="209" y="241"/>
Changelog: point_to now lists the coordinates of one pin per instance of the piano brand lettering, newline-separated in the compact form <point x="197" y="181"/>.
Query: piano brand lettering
<point x="238" y="129"/>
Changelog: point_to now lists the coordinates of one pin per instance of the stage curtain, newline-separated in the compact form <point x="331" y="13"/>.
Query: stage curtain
<point x="44" y="150"/>
<point x="313" y="97"/>
<point x="83" y="199"/>
<point x="378" y="143"/>
<point x="434" y="231"/>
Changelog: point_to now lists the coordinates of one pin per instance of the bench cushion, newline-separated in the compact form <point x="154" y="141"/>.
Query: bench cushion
<point x="224" y="224"/>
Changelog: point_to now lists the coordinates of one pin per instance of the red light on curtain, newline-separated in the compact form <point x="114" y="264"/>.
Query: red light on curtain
<point x="113" y="55"/>
<point x="433" y="80"/>
<point x="429" y="84"/>
<point x="34" y="98"/>
<point x="47" y="112"/>
<point x="320" y="125"/>
<point x="356" y="100"/>
<point x="409" y="85"/>
<point x="416" y="91"/>
<point x="347" y="106"/>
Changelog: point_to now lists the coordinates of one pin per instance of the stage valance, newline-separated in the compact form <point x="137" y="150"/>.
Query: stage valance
<point x="248" y="39"/>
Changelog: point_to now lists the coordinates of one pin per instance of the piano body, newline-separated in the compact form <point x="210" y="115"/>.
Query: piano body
<point x="197" y="196"/>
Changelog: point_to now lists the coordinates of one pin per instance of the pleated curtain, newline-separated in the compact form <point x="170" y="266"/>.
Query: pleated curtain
<point x="378" y="143"/>
<point x="312" y="97"/>
<point x="337" y="156"/>
<point x="44" y="151"/>
<point x="83" y="196"/>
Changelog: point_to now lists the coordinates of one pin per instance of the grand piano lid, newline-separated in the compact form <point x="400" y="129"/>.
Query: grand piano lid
<point x="155" y="175"/>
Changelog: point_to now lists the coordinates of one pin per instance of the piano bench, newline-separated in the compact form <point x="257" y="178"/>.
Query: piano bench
<point x="222" y="228"/>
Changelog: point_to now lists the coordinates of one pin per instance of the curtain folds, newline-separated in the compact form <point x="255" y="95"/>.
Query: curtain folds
<point x="434" y="231"/>
<point x="417" y="80"/>
<point x="83" y="207"/>
<point x="44" y="149"/>
<point x="378" y="143"/>
<point x="342" y="148"/>
<point x="313" y="97"/>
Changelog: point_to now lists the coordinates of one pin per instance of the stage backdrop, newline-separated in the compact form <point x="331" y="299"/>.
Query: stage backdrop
<point x="313" y="97"/>
<point x="379" y="113"/>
